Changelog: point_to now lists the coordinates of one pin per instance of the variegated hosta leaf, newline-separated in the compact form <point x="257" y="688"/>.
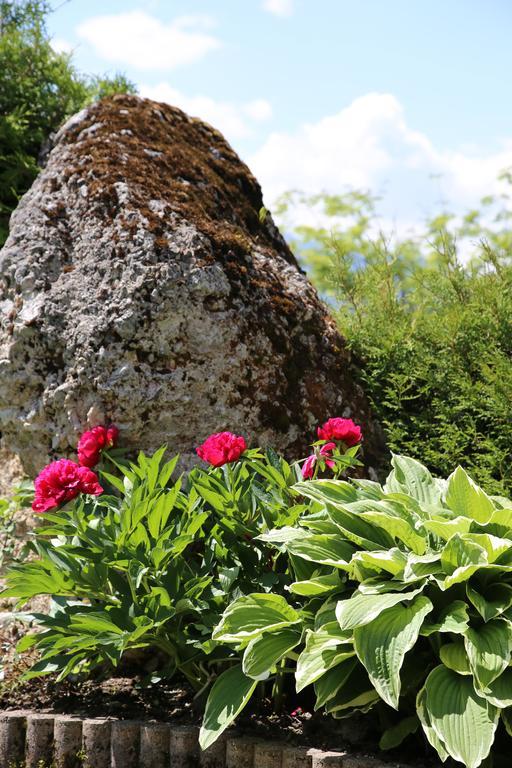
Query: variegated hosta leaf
<point x="263" y="652"/>
<point x="252" y="615"/>
<point x="429" y="732"/>
<point x="489" y="649"/>
<point x="382" y="644"/>
<point x="490" y="600"/>
<point x="361" y="609"/>
<point x="317" y="585"/>
<point x="464" y="497"/>
<point x="453" y="618"/>
<point x="499" y="692"/>
<point x="421" y="566"/>
<point x="391" y="561"/>
<point x="328" y="685"/>
<point x="454" y="656"/>
<point x="327" y="491"/>
<point x="321" y="548"/>
<point x="394" y="736"/>
<point x="359" y="531"/>
<point x="325" y="649"/>
<point x="397" y="527"/>
<point x="455" y="719"/>
<point x="445" y="527"/>
<point x="355" y="693"/>
<point x="228" y="696"/>
<point x="411" y="477"/>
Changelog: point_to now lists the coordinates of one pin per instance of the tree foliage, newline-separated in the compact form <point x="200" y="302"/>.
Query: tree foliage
<point x="39" y="89"/>
<point x="430" y="318"/>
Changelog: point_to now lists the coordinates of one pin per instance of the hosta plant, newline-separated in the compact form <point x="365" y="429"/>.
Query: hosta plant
<point x="401" y="599"/>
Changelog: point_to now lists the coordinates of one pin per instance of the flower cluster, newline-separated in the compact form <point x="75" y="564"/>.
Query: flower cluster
<point x="93" y="442"/>
<point x="222" y="448"/>
<point x="63" y="480"/>
<point x="335" y="433"/>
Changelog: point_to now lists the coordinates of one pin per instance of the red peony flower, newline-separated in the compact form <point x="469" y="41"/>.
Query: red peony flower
<point x="341" y="429"/>
<point x="93" y="442"/>
<point x="221" y="448"/>
<point x="62" y="481"/>
<point x="308" y="468"/>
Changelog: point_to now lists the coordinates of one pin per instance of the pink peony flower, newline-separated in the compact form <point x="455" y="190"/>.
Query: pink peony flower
<point x="62" y="481"/>
<point x="221" y="448"/>
<point x="341" y="429"/>
<point x="93" y="442"/>
<point x="308" y="468"/>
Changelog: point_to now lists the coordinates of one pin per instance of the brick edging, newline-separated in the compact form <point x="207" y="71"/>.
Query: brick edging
<point x="37" y="740"/>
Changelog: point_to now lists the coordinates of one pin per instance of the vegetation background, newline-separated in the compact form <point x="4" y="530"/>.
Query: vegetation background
<point x="429" y="318"/>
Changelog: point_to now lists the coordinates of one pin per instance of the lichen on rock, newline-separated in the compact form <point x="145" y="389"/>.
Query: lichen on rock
<point x="138" y="285"/>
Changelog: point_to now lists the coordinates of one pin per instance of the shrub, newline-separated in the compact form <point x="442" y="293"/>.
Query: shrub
<point x="423" y="624"/>
<point x="39" y="89"/>
<point x="432" y="331"/>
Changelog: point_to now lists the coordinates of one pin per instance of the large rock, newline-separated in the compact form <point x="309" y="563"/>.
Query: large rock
<point x="138" y="285"/>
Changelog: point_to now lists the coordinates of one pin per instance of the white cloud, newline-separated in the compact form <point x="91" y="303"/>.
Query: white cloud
<point x="60" y="45"/>
<point x="370" y="145"/>
<point x="278" y="7"/>
<point x="234" y="120"/>
<point x="142" y="41"/>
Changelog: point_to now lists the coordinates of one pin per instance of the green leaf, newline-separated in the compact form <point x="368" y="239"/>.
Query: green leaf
<point x="381" y="645"/>
<point x="489" y="648"/>
<point x="506" y="716"/>
<point x="463" y="722"/>
<point x="323" y="549"/>
<point x="499" y="692"/>
<point x="355" y="691"/>
<point x="445" y="529"/>
<point x="357" y="530"/>
<point x="328" y="685"/>
<point x="318" y="585"/>
<point x="263" y="653"/>
<point x="392" y="560"/>
<point x="327" y="491"/>
<point x="454" y="656"/>
<point x="453" y="618"/>
<point x="411" y="477"/>
<point x="459" y="552"/>
<point x="398" y="528"/>
<point x="394" y="736"/>
<point x="361" y="609"/>
<point x="228" y="696"/>
<point x="325" y="648"/>
<point x="465" y="498"/>
<point x="251" y="615"/>
<point x="429" y="732"/>
<point x="491" y="600"/>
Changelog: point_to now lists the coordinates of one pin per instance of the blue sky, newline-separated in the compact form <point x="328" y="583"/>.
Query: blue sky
<point x="325" y="94"/>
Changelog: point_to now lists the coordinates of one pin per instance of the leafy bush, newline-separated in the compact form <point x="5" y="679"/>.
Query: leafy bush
<point x="39" y="89"/>
<point x="153" y="563"/>
<point x="402" y="598"/>
<point x="432" y="331"/>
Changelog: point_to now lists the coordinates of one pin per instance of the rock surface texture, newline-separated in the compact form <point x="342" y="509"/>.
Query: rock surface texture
<point x="138" y="285"/>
